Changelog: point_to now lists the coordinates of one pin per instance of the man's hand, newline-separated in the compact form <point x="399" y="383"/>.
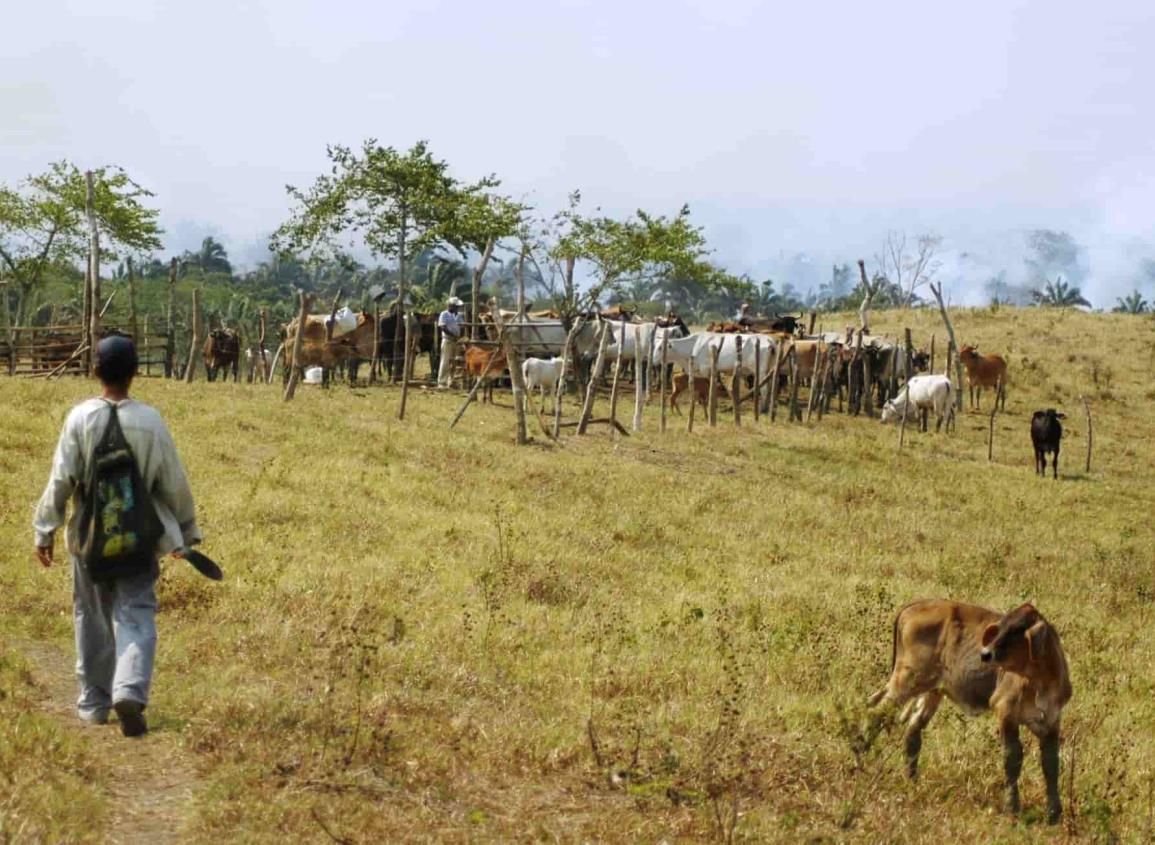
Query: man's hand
<point x="44" y="555"/>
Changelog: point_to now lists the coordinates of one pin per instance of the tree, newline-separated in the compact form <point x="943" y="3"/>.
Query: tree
<point x="396" y="203"/>
<point x="1051" y="253"/>
<point x="1058" y="294"/>
<point x="1132" y="303"/>
<point x="640" y="247"/>
<point x="909" y="267"/>
<point x="210" y="258"/>
<point x="43" y="228"/>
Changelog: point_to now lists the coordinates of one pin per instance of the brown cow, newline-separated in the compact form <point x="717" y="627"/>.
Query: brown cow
<point x="316" y="352"/>
<point x="981" y="659"/>
<point x="984" y="371"/>
<point x="222" y="351"/>
<point x="477" y="364"/>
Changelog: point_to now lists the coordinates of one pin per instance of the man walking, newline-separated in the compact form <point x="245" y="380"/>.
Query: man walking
<point x="450" y="323"/>
<point x="115" y="618"/>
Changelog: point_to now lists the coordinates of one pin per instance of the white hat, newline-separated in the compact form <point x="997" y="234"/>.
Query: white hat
<point x="453" y="300"/>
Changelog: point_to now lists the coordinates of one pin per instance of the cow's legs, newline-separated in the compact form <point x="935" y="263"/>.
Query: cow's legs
<point x="1040" y="463"/>
<point x="923" y="712"/>
<point x="1049" y="757"/>
<point x="1012" y="761"/>
<point x="1054" y="464"/>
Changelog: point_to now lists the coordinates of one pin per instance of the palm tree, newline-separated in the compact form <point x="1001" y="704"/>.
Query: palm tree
<point x="1058" y="294"/>
<point x="1132" y="303"/>
<point x="210" y="258"/>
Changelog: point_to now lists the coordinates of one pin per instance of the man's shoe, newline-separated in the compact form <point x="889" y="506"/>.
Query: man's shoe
<point x="93" y="717"/>
<point x="131" y="715"/>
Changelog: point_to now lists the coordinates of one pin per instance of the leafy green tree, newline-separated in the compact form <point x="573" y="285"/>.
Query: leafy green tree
<point x="640" y="248"/>
<point x="1132" y="303"/>
<point x="210" y="258"/>
<point x="43" y="229"/>
<point x="1059" y="294"/>
<point x="396" y="203"/>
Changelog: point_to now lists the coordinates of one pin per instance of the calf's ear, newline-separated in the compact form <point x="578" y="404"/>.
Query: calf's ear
<point x="1034" y="637"/>
<point x="989" y="634"/>
<point x="1061" y="416"/>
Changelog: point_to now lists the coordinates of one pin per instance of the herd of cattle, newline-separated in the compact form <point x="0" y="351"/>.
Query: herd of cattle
<point x="745" y="353"/>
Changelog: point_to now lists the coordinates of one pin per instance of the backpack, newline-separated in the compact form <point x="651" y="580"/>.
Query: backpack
<point x="119" y="527"/>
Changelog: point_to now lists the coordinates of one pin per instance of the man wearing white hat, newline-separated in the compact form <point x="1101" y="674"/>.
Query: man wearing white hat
<point x="449" y="322"/>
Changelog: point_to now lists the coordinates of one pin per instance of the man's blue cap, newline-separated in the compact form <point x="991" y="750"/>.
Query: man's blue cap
<point x="115" y="359"/>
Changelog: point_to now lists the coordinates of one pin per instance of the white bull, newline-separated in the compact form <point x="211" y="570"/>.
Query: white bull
<point x="650" y="335"/>
<point x="922" y="393"/>
<point x="533" y="336"/>
<point x="542" y="375"/>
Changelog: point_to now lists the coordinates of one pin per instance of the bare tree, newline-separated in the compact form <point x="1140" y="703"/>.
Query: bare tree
<point x="909" y="266"/>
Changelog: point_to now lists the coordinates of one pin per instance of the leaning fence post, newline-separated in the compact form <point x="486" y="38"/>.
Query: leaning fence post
<point x="795" y="412"/>
<point x="298" y="341"/>
<point x="591" y="388"/>
<point x="774" y="378"/>
<point x="693" y="395"/>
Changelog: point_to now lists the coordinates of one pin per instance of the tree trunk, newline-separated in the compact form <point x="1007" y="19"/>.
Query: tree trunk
<point x="403" y="314"/>
<point x="639" y="382"/>
<point x="298" y="341"/>
<point x="617" y="373"/>
<point x="521" y="283"/>
<point x="736" y="381"/>
<point x="329" y="327"/>
<point x="712" y="412"/>
<point x="567" y="357"/>
<point x="516" y="378"/>
<point x="662" y="376"/>
<point x="475" y="287"/>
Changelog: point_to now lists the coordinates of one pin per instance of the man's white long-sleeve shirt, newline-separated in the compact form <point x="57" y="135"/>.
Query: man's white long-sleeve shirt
<point x="156" y="458"/>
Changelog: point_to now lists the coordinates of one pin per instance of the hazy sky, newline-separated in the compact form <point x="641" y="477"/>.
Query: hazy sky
<point x="787" y="127"/>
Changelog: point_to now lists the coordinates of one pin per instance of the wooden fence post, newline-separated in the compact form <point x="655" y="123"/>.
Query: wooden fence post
<point x="9" y="334"/>
<point x="713" y="407"/>
<point x="795" y="411"/>
<point x="170" y="322"/>
<point x="375" y="360"/>
<point x="757" y="380"/>
<point x="867" y="385"/>
<point x="93" y="266"/>
<point x="931" y="370"/>
<point x="821" y="355"/>
<point x="592" y="387"/>
<point x="810" y="326"/>
<point x="1087" y="413"/>
<point x="262" y="352"/>
<point x="778" y="347"/>
<point x="568" y="358"/>
<point x="516" y="377"/>
<point x="736" y="381"/>
<point x="639" y="383"/>
<point x="298" y="341"/>
<point x="617" y="373"/>
<point x="902" y="422"/>
<point x="693" y="395"/>
<point x="662" y="387"/>
<point x="132" y="322"/>
<point x="190" y="369"/>
<point x="991" y="428"/>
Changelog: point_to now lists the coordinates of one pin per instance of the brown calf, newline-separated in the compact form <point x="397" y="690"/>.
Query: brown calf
<point x="984" y="371"/>
<point x="1012" y="664"/>
<point x="701" y="390"/>
<point x="478" y="364"/>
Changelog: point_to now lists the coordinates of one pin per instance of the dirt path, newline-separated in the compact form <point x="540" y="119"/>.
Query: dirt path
<point x="151" y="792"/>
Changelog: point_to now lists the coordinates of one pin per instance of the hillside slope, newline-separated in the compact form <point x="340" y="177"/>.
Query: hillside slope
<point x="426" y="633"/>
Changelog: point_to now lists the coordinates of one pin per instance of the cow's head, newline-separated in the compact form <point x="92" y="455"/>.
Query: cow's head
<point x="1049" y="415"/>
<point x="968" y="352"/>
<point x="921" y="360"/>
<point x="1016" y="639"/>
<point x="890" y="412"/>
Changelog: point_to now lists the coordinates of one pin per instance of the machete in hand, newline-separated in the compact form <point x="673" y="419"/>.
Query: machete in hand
<point x="203" y="564"/>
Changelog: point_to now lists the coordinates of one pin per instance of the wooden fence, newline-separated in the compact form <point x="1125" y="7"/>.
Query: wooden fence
<point x="40" y="351"/>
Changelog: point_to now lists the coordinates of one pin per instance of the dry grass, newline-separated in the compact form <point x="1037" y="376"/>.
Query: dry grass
<point x="433" y="634"/>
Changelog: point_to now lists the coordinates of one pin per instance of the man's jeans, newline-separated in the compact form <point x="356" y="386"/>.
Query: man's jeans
<point x="115" y="638"/>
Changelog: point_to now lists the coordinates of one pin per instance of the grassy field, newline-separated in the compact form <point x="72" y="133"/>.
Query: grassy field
<point x="428" y="634"/>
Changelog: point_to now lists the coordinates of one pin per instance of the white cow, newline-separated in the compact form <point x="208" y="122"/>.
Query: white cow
<point x="651" y="336"/>
<point x="922" y="392"/>
<point x="542" y="374"/>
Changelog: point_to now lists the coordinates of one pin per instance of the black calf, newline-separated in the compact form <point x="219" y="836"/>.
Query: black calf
<point x="1046" y="432"/>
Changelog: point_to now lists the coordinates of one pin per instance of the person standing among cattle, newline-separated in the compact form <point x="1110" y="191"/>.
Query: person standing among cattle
<point x="117" y="463"/>
<point x="450" y="323"/>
